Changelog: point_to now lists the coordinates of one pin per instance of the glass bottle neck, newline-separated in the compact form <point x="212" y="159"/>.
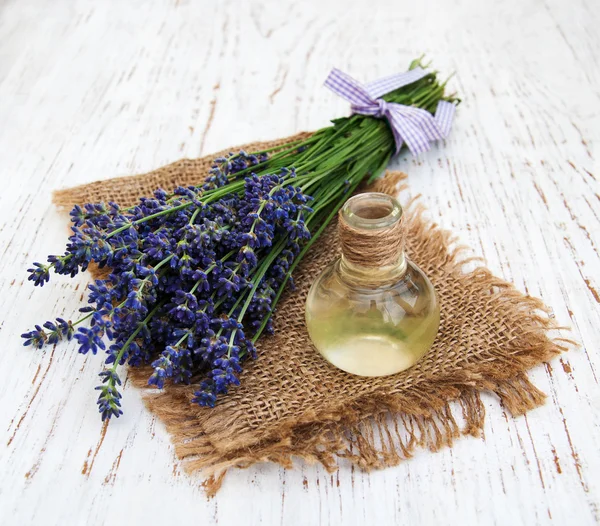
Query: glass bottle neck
<point x="372" y="275"/>
<point x="372" y="240"/>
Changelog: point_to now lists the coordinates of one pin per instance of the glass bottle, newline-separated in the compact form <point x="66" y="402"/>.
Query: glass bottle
<point x="372" y="312"/>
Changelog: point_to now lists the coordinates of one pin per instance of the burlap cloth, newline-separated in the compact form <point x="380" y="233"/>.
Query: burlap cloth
<point x="292" y="403"/>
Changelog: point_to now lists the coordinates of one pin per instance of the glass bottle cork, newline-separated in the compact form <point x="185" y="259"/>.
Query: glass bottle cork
<point x="372" y="312"/>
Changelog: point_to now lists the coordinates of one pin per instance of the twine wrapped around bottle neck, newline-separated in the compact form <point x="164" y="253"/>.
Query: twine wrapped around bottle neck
<point x="371" y="231"/>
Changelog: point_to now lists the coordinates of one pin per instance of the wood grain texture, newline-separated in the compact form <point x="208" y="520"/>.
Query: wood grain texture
<point x="89" y="90"/>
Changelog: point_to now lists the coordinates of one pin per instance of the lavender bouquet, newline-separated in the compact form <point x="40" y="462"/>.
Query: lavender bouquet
<point x="196" y="274"/>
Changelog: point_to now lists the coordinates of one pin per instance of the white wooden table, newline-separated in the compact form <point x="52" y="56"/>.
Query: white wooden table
<point x="90" y="90"/>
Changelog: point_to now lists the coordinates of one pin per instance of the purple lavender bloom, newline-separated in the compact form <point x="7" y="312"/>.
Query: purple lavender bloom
<point x="90" y="339"/>
<point x="39" y="274"/>
<point x="109" y="400"/>
<point x="36" y="338"/>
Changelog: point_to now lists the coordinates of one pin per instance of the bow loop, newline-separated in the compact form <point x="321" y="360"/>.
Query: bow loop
<point x="414" y="126"/>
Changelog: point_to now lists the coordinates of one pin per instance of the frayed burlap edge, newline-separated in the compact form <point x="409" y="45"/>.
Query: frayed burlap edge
<point x="374" y="431"/>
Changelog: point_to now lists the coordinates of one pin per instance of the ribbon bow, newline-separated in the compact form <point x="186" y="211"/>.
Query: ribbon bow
<point x="414" y="126"/>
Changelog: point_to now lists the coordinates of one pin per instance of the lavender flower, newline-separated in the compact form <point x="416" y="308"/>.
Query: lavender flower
<point x="52" y="333"/>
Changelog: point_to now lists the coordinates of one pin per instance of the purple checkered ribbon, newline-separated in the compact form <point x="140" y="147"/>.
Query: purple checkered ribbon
<point x="414" y="126"/>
